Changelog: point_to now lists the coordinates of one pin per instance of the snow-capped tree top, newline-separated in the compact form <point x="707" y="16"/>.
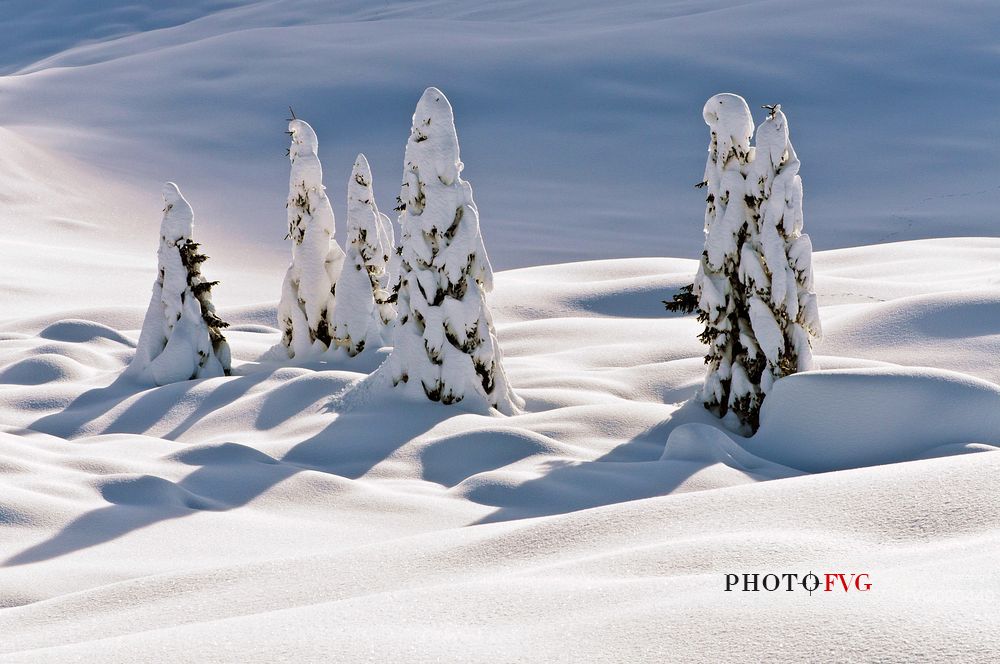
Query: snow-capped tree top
<point x="359" y="188"/>
<point x="361" y="204"/>
<point x="304" y="155"/>
<point x="772" y="139"/>
<point x="729" y="117"/>
<point x="360" y="193"/>
<point x="433" y="142"/>
<point x="304" y="141"/>
<point x="178" y="218"/>
<point x="437" y="201"/>
<point x="774" y="174"/>
<point x="731" y="124"/>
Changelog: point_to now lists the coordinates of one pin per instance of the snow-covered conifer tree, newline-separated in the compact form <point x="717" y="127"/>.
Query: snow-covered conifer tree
<point x="776" y="266"/>
<point x="306" y="309"/>
<point x="734" y="357"/>
<point x="445" y="345"/>
<point x="363" y="310"/>
<point x="181" y="336"/>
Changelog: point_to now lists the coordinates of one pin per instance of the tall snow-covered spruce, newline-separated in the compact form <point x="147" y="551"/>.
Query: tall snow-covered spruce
<point x="754" y="282"/>
<point x="776" y="265"/>
<point x="445" y="346"/>
<point x="306" y="308"/>
<point x="363" y="311"/>
<point x="181" y="337"/>
<point x="733" y="358"/>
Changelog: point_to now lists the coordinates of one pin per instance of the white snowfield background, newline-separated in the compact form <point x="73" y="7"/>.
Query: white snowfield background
<point x="280" y="515"/>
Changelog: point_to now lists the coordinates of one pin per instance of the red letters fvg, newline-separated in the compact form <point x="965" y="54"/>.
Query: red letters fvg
<point x="847" y="582"/>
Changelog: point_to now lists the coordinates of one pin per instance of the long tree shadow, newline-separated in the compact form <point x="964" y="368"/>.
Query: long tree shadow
<point x="631" y="471"/>
<point x="86" y="408"/>
<point x="225" y="394"/>
<point x="231" y="475"/>
<point x="144" y="412"/>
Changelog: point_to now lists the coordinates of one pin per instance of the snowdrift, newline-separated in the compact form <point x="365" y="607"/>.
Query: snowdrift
<point x="709" y="444"/>
<point x="849" y="418"/>
<point x="250" y="512"/>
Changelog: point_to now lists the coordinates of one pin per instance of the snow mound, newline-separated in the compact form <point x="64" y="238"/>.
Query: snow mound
<point x="81" y="331"/>
<point x="958" y="329"/>
<point x="708" y="444"/>
<point x="42" y="369"/>
<point x="148" y="491"/>
<point x="849" y="418"/>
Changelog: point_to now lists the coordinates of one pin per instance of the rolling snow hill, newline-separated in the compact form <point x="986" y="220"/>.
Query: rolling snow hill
<point x="297" y="511"/>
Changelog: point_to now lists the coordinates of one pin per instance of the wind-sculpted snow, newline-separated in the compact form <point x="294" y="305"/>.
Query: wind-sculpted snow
<point x="832" y="420"/>
<point x="554" y="100"/>
<point x="247" y="514"/>
<point x="295" y="511"/>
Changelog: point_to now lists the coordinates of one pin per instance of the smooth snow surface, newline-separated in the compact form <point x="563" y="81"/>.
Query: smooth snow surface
<point x="848" y="418"/>
<point x="893" y="110"/>
<point x="279" y="512"/>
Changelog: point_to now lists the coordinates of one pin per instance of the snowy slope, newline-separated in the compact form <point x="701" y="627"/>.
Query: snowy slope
<point x="278" y="511"/>
<point x="579" y="115"/>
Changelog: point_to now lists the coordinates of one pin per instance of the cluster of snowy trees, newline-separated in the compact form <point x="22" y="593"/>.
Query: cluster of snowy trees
<point x="426" y="296"/>
<point x="754" y="286"/>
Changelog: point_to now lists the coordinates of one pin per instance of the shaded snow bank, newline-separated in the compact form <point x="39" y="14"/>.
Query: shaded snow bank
<point x="708" y="444"/>
<point x="849" y="418"/>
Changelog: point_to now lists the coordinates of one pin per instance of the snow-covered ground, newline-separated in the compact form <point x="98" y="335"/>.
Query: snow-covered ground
<point x="265" y="513"/>
<point x="291" y="513"/>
